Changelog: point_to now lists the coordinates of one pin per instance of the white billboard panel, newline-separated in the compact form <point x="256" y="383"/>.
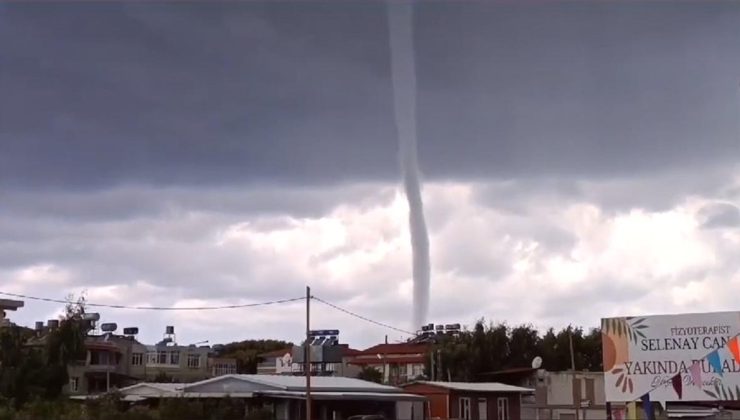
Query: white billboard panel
<point x="686" y="357"/>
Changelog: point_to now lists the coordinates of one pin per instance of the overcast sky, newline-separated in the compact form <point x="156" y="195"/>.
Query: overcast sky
<point x="580" y="161"/>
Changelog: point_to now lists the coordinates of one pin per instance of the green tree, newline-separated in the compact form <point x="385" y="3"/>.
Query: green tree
<point x="369" y="373"/>
<point x="471" y="355"/>
<point x="247" y="352"/>
<point x="65" y="345"/>
<point x="524" y="346"/>
<point x="38" y="369"/>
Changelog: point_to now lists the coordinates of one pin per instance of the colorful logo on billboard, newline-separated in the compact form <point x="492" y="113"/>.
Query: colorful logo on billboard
<point x="687" y="357"/>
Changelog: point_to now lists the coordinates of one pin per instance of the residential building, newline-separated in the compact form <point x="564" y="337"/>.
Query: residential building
<point x="326" y="360"/>
<point x="278" y="362"/>
<point x="333" y="397"/>
<point x="219" y="366"/>
<point x="399" y="362"/>
<point x="558" y="395"/>
<point x="471" y="401"/>
<point x="105" y="365"/>
<point x="114" y="361"/>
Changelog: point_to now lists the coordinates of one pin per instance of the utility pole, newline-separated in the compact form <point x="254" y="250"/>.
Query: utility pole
<point x="576" y="403"/>
<point x="307" y="354"/>
<point x="107" y="371"/>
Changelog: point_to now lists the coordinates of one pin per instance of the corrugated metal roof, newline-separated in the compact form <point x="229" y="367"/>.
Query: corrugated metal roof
<point x="355" y="396"/>
<point x="318" y="383"/>
<point x="162" y="386"/>
<point x="477" y="386"/>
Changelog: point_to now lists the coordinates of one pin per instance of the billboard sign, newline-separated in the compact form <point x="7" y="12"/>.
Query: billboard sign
<point x="686" y="357"/>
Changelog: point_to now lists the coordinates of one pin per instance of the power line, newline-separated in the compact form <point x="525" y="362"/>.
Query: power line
<point x="356" y="315"/>
<point x="157" y="308"/>
<point x="209" y="308"/>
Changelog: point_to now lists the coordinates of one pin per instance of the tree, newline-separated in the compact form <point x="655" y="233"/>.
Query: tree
<point x="39" y="370"/>
<point x="369" y="373"/>
<point x="247" y="352"/>
<point x="470" y="355"/>
<point x="524" y="346"/>
<point x="65" y="345"/>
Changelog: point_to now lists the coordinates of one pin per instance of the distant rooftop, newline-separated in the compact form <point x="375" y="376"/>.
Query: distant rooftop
<point x="477" y="386"/>
<point x="298" y="383"/>
<point x="394" y="348"/>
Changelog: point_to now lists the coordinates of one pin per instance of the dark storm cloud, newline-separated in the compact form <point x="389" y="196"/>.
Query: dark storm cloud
<point x="185" y="93"/>
<point x="145" y="203"/>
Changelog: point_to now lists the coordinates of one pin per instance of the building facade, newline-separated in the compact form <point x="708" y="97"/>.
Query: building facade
<point x="470" y="401"/>
<point x="334" y="398"/>
<point x="398" y="363"/>
<point x="560" y="395"/>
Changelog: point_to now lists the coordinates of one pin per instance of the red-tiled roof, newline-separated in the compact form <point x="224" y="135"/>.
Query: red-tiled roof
<point x="350" y="352"/>
<point x="395" y="348"/>
<point x="378" y="361"/>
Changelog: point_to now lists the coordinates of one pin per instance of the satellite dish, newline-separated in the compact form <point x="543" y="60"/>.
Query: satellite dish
<point x="537" y="362"/>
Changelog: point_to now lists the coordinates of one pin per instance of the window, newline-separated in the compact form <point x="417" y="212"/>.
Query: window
<point x="416" y="371"/>
<point x="193" y="361"/>
<point x="465" y="408"/>
<point x="162" y="357"/>
<point x="74" y="384"/>
<point x="151" y="358"/>
<point x="503" y="408"/>
<point x="101" y="358"/>
<point x="137" y="359"/>
<point x="223" y="369"/>
<point x="175" y="358"/>
<point x="482" y="409"/>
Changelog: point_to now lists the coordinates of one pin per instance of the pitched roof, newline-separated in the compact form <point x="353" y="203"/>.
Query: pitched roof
<point x="162" y="386"/>
<point x="318" y="383"/>
<point x="348" y="351"/>
<point x="298" y="383"/>
<point x="476" y="386"/>
<point x="395" y="348"/>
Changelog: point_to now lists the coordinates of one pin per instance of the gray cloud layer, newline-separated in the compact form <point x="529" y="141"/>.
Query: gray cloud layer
<point x="157" y="153"/>
<point x="199" y="93"/>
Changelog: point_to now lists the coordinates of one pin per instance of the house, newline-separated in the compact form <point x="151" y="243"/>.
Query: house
<point x="218" y="366"/>
<point x="114" y="361"/>
<point x="558" y="395"/>
<point x="275" y="362"/>
<point x="471" y="401"/>
<point x="326" y="360"/>
<point x="334" y="398"/>
<point x="399" y="362"/>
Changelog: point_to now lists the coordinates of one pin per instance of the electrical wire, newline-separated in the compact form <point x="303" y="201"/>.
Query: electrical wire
<point x="157" y="308"/>
<point x="364" y="318"/>
<point x="211" y="308"/>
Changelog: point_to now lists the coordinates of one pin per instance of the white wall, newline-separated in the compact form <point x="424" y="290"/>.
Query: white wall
<point x="410" y="410"/>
